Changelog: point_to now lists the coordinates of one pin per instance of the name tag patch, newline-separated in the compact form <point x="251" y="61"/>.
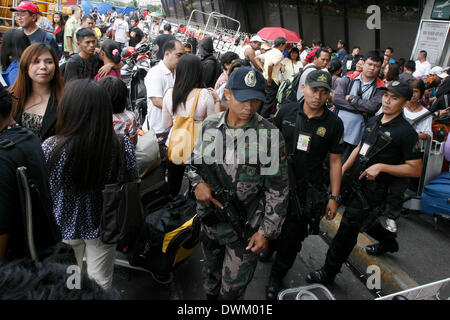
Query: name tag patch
<point x="363" y="151"/>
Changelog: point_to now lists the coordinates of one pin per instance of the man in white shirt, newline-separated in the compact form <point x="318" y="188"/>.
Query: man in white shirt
<point x="272" y="66"/>
<point x="321" y="59"/>
<point x="423" y="67"/>
<point x="158" y="80"/>
<point x="113" y="13"/>
<point x="248" y="52"/>
<point x="120" y="32"/>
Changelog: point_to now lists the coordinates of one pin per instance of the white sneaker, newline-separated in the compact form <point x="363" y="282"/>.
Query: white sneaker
<point x="391" y="225"/>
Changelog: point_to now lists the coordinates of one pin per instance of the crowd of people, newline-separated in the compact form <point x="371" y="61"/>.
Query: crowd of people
<point x="348" y="136"/>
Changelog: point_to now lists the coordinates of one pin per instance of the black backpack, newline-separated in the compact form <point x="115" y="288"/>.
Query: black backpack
<point x="287" y="92"/>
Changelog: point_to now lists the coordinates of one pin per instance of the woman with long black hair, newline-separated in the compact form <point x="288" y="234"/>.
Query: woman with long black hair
<point x="14" y="44"/>
<point x="180" y="100"/>
<point x="58" y="25"/>
<point x="83" y="156"/>
<point x="38" y="88"/>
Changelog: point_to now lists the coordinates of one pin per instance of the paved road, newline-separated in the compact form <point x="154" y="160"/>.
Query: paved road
<point x="424" y="248"/>
<point x="424" y="255"/>
<point x="186" y="285"/>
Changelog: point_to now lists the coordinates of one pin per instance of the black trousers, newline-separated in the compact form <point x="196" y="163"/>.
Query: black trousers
<point x="175" y="175"/>
<point x="271" y="100"/>
<point x="288" y="244"/>
<point x="348" y="149"/>
<point x="355" y="220"/>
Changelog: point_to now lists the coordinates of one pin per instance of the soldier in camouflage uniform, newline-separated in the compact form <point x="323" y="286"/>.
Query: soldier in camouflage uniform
<point x="260" y="186"/>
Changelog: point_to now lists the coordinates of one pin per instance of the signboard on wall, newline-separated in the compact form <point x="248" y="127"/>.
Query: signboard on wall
<point x="431" y="37"/>
<point x="441" y="10"/>
<point x="69" y="2"/>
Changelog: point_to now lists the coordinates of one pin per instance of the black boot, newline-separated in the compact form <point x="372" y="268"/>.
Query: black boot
<point x="379" y="248"/>
<point x="320" y="276"/>
<point x="274" y="286"/>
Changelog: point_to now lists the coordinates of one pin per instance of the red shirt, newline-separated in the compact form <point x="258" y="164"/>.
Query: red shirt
<point x="310" y="56"/>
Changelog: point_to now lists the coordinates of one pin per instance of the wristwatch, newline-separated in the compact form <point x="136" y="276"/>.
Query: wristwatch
<point x="335" y="198"/>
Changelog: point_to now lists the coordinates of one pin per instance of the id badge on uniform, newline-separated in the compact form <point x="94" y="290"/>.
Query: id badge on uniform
<point x="304" y="141"/>
<point x="365" y="147"/>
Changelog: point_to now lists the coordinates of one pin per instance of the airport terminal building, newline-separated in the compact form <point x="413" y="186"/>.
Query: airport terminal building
<point x="356" y="22"/>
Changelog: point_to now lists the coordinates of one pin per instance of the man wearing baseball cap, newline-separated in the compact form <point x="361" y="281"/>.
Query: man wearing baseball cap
<point x="248" y="52"/>
<point x="373" y="184"/>
<point x="26" y="16"/>
<point x="438" y="73"/>
<point x="259" y="186"/>
<point x="311" y="132"/>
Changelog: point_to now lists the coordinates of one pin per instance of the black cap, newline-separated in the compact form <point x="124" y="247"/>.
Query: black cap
<point x="247" y="83"/>
<point x="400" y="88"/>
<point x="319" y="78"/>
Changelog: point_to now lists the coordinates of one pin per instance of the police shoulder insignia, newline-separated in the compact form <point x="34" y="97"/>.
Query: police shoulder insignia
<point x="321" y="131"/>
<point x="250" y="79"/>
<point x="395" y="83"/>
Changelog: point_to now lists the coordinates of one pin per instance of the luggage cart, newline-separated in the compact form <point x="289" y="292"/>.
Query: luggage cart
<point x="211" y="29"/>
<point x="430" y="291"/>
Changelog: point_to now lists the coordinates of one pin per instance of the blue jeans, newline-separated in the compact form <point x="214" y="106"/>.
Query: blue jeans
<point x="121" y="46"/>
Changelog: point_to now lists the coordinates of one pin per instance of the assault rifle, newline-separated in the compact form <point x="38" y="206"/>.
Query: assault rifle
<point x="233" y="212"/>
<point x="352" y="184"/>
<point x="293" y="192"/>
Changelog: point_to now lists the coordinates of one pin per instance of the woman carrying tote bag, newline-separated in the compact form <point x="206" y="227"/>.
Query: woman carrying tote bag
<point x="83" y="157"/>
<point x="186" y="94"/>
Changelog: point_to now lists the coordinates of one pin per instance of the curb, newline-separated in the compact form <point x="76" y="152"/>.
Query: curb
<point x="393" y="278"/>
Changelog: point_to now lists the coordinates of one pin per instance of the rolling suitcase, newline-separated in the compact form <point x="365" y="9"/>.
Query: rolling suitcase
<point x="436" y="196"/>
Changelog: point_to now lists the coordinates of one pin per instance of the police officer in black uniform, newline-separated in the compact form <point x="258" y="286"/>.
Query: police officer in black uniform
<point x="311" y="132"/>
<point x="388" y="152"/>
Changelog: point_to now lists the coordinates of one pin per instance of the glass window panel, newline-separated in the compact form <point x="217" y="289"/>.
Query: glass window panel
<point x="399" y="23"/>
<point x="290" y="16"/>
<point x="333" y="22"/>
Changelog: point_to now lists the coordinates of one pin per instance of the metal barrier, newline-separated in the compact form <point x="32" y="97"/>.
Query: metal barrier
<point x="307" y="292"/>
<point x="429" y="291"/>
<point x="433" y="155"/>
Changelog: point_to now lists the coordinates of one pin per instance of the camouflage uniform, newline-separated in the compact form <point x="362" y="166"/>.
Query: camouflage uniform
<point x="228" y="266"/>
